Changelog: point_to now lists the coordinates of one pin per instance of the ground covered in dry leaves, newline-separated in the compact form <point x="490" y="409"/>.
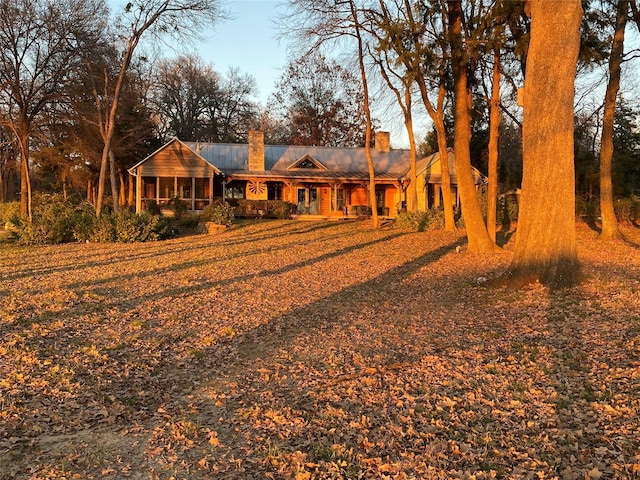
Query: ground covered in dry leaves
<point x="296" y="350"/>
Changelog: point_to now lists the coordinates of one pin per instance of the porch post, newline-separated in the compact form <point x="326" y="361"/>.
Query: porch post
<point x="175" y="187"/>
<point x="138" y="193"/>
<point x="211" y="189"/>
<point x="193" y="193"/>
<point x="157" y="190"/>
<point x="426" y="196"/>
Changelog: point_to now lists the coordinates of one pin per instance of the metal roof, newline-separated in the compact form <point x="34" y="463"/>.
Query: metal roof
<point x="234" y="157"/>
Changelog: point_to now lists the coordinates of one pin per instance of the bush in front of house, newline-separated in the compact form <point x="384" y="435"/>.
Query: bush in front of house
<point x="262" y="208"/>
<point x="417" y="221"/>
<point x="53" y="220"/>
<point x="131" y="227"/>
<point x="178" y="207"/>
<point x="58" y="220"/>
<point x="432" y="219"/>
<point x="218" y="212"/>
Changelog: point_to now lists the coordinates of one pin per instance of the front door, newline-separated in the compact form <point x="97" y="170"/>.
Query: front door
<point x="308" y="200"/>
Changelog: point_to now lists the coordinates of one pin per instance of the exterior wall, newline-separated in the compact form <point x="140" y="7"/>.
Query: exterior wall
<point x="423" y="193"/>
<point x="175" y="161"/>
<point x="359" y="196"/>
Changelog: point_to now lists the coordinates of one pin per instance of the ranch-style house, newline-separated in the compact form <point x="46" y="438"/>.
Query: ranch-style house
<point x="321" y="181"/>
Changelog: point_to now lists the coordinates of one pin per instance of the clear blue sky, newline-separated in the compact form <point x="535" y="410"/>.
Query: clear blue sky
<point x="247" y="41"/>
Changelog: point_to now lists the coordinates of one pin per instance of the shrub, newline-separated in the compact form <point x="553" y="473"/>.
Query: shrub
<point x="130" y="227"/>
<point x="177" y="207"/>
<point x="587" y="209"/>
<point x="280" y="209"/>
<point x="151" y="207"/>
<point x="262" y="208"/>
<point x="9" y="212"/>
<point x="104" y="230"/>
<point x="627" y="209"/>
<point x="413" y="220"/>
<point x="218" y="212"/>
<point x="53" y="220"/>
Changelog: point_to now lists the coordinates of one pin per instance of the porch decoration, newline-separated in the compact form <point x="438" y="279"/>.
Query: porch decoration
<point x="257" y="187"/>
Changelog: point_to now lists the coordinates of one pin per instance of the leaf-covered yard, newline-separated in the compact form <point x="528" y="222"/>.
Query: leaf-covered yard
<point x="296" y="350"/>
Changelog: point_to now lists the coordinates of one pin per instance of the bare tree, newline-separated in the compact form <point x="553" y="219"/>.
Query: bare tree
<point x="319" y="22"/>
<point x="39" y="43"/>
<point x="610" y="228"/>
<point x="185" y="89"/>
<point x="398" y="67"/>
<point x="161" y="18"/>
<point x="322" y="102"/>
<point x="7" y="161"/>
<point x="477" y="235"/>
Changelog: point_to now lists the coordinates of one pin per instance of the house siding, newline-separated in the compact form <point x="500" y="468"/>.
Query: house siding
<point x="175" y="161"/>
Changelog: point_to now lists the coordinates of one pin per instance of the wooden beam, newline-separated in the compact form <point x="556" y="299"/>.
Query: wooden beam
<point x="138" y="193"/>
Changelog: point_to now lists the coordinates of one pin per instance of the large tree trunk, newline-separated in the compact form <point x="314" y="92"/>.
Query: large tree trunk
<point x="494" y="132"/>
<point x="477" y="236"/>
<point x="367" y="111"/>
<point x="447" y="200"/>
<point x="131" y="199"/>
<point x="412" y="190"/>
<point x="437" y="116"/>
<point x="25" y="176"/>
<point x="546" y="240"/>
<point x="610" y="228"/>
<point x="113" y="175"/>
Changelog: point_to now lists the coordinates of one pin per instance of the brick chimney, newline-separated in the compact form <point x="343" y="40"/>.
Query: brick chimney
<point x="383" y="142"/>
<point x="256" y="150"/>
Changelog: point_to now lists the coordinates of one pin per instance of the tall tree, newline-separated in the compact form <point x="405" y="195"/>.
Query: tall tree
<point x="401" y="83"/>
<point x="7" y="161"/>
<point x="545" y="248"/>
<point x="477" y="235"/>
<point x="39" y="44"/>
<point x="319" y="22"/>
<point x="185" y="87"/>
<point x="437" y="48"/>
<point x="494" y="135"/>
<point x="176" y="18"/>
<point x="610" y="228"/>
<point x="367" y="111"/>
<point x="322" y="101"/>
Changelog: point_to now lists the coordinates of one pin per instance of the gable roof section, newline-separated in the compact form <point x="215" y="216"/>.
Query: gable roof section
<point x="432" y="169"/>
<point x="175" y="158"/>
<point x="307" y="163"/>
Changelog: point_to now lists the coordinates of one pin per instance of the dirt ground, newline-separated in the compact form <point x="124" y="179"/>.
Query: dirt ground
<point x="299" y="350"/>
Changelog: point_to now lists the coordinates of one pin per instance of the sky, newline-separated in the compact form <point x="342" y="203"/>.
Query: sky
<point x="247" y="41"/>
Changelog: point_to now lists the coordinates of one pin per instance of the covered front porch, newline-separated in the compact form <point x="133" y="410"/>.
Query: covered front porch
<point x="338" y="198"/>
<point x="195" y="192"/>
<point x="175" y="172"/>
